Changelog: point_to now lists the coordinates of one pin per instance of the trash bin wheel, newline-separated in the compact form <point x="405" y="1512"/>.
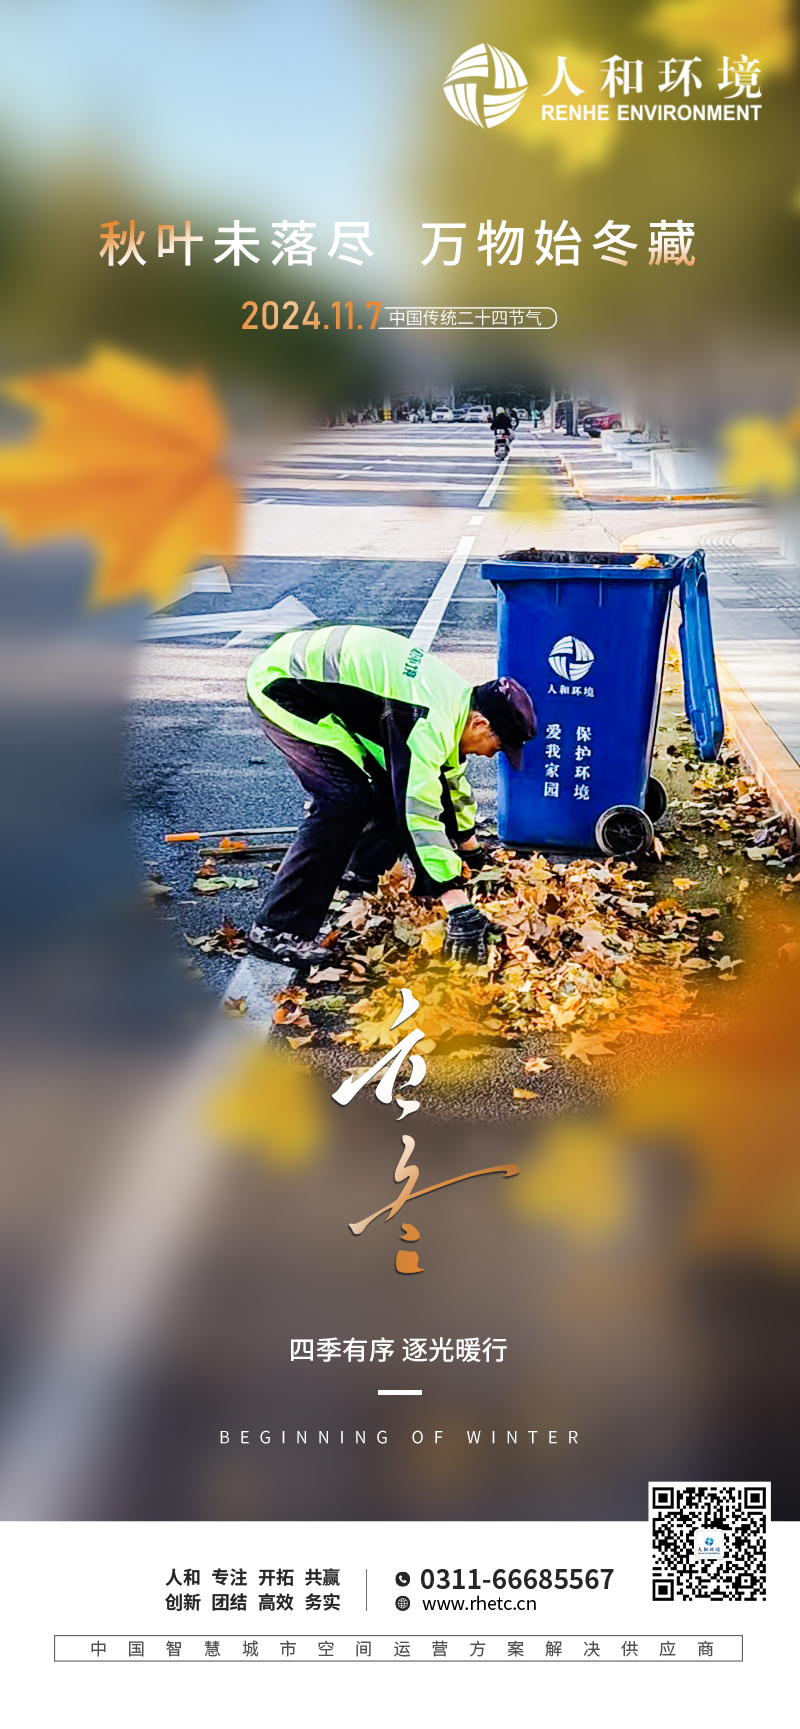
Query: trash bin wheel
<point x="624" y="831"/>
<point x="655" y="799"/>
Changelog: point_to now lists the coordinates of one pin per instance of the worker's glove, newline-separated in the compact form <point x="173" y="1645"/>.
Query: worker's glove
<point x="478" y="856"/>
<point x="468" y="934"/>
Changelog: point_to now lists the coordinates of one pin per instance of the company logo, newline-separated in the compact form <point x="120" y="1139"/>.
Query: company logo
<point x="486" y="97"/>
<point x="709" y="1545"/>
<point x="571" y="658"/>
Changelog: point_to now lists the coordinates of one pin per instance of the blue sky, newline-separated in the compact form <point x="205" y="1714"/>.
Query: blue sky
<point x="227" y="100"/>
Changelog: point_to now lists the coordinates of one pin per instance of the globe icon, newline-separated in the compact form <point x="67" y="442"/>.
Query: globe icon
<point x="571" y="658"/>
<point x="489" y="107"/>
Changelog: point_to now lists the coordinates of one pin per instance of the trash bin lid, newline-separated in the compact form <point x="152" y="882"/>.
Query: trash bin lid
<point x="701" y="690"/>
<point x="531" y="562"/>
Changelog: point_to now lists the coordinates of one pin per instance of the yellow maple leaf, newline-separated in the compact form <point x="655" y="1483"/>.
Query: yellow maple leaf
<point x="584" y="1046"/>
<point x="766" y="28"/>
<point x="268" y="1106"/>
<point x="791" y="425"/>
<point x="432" y="940"/>
<point x="529" y="495"/>
<point x="126" y="455"/>
<point x="579" y="1183"/>
<point x="760" y="457"/>
<point x="730" y="1109"/>
<point x="577" y="147"/>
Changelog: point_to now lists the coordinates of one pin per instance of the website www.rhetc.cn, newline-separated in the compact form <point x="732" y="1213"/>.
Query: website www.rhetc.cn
<point x="523" y="1603"/>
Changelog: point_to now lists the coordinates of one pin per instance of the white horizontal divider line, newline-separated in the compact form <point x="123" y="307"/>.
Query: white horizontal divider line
<point x="433" y="612"/>
<point x="399" y="1392"/>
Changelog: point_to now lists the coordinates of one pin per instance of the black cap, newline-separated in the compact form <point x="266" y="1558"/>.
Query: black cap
<point x="510" y="713"/>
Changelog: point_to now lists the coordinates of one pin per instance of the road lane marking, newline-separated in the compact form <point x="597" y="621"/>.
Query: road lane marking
<point x="213" y="580"/>
<point x="432" y="614"/>
<point x="493" y="484"/>
<point x="252" y="626"/>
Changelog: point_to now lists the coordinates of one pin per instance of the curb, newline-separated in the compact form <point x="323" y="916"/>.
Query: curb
<point x="603" y="498"/>
<point x="772" y="764"/>
<point x="764" y="753"/>
<point x="582" y="485"/>
<point x="754" y="737"/>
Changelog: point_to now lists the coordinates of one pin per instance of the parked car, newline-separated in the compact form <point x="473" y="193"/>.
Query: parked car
<point x="594" y="424"/>
<point x="441" y="413"/>
<point x="475" y="415"/>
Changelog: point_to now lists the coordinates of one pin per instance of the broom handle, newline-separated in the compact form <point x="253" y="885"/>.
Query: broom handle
<point x="220" y="833"/>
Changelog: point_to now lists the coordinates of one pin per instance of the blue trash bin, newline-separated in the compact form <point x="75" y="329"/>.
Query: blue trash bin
<point x="586" y="634"/>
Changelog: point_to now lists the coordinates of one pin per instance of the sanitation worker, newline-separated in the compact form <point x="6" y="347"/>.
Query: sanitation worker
<point x="376" y="731"/>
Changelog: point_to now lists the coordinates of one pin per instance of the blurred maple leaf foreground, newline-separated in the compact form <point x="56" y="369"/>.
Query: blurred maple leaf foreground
<point x="127" y="456"/>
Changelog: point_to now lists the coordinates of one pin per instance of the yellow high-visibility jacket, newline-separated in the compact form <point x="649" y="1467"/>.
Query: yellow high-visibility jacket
<point x="381" y="701"/>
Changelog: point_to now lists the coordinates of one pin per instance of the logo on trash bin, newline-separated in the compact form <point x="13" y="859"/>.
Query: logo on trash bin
<point x="571" y="658"/>
<point x="464" y="90"/>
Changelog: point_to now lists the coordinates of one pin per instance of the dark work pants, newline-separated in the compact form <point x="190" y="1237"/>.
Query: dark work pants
<point x="351" y="822"/>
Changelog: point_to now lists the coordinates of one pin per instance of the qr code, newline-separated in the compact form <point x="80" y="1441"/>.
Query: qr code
<point x="709" y="1541"/>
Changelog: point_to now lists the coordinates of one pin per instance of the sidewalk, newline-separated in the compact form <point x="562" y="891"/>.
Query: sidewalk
<point x="755" y="603"/>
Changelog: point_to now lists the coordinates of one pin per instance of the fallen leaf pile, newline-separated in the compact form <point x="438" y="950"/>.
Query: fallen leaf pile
<point x="731" y="811"/>
<point x="588" y="951"/>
